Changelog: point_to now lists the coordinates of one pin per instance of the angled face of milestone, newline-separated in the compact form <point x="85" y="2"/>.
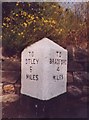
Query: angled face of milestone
<point x="44" y="70"/>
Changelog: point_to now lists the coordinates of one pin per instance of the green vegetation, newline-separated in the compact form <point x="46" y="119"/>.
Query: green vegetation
<point x="26" y="23"/>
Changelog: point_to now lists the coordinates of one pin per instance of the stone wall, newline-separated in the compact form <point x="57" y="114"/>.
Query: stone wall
<point x="78" y="77"/>
<point x="78" y="73"/>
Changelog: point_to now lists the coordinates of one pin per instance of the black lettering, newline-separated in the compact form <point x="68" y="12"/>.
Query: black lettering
<point x="32" y="61"/>
<point x="30" y="68"/>
<point x="27" y="76"/>
<point x="58" y="77"/>
<point x="58" y="69"/>
<point x="26" y="61"/>
<point x="54" y="77"/>
<point x="36" y="77"/>
<point x="55" y="61"/>
<point x="51" y="61"/>
<point x="32" y="77"/>
<point x="58" y="54"/>
<point x="31" y="54"/>
<point x="63" y="62"/>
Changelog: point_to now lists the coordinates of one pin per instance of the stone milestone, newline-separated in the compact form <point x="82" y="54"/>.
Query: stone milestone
<point x="43" y="70"/>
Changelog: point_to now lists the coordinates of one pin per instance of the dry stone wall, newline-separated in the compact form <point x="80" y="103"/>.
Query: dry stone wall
<point x="77" y="87"/>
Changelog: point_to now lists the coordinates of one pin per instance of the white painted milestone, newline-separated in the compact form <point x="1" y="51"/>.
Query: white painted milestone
<point x="44" y="70"/>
